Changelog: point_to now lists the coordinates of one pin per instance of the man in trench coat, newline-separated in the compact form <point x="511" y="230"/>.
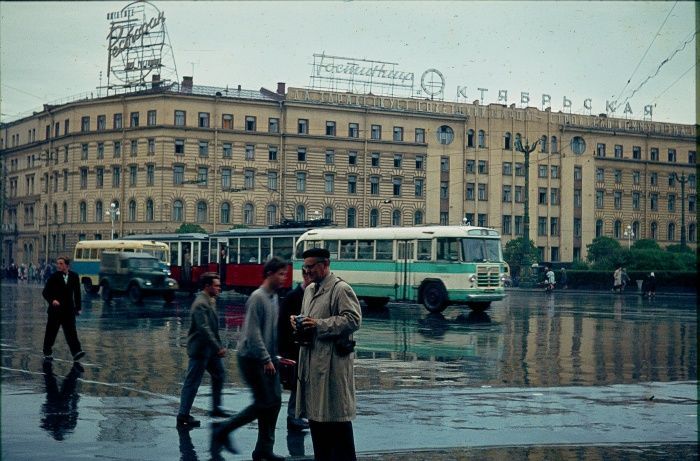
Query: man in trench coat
<point x="326" y="387"/>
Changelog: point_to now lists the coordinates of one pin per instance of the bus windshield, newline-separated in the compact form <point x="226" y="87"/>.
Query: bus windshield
<point x="479" y="250"/>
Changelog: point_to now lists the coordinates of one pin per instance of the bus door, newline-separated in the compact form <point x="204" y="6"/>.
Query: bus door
<point x="405" y="253"/>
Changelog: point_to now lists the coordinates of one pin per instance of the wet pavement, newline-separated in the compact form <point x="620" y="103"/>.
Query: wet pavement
<point x="561" y="376"/>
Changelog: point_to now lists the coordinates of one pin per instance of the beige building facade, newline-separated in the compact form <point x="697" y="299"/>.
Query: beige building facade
<point x="220" y="158"/>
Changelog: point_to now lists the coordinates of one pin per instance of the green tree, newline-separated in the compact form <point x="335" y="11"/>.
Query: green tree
<point x="189" y="228"/>
<point x="645" y="244"/>
<point x="605" y="253"/>
<point x="519" y="254"/>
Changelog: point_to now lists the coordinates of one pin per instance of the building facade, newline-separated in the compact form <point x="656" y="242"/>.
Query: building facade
<point x="220" y="158"/>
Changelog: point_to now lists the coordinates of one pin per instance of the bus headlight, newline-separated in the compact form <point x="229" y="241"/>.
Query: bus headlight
<point x="472" y="278"/>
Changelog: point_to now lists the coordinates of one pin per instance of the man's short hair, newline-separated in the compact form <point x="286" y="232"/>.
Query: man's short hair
<point x="65" y="259"/>
<point x="273" y="265"/>
<point x="316" y="253"/>
<point x="208" y="278"/>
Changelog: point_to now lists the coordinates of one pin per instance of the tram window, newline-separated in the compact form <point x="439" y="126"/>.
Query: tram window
<point x="265" y="249"/>
<point x="447" y="249"/>
<point x="282" y="247"/>
<point x="233" y="251"/>
<point x="195" y="254"/>
<point x="174" y="254"/>
<point x="365" y="249"/>
<point x="332" y="247"/>
<point x="187" y="253"/>
<point x="385" y="249"/>
<point x="347" y="249"/>
<point x="424" y="250"/>
<point x="249" y="250"/>
<point x="300" y="250"/>
<point x="205" y="253"/>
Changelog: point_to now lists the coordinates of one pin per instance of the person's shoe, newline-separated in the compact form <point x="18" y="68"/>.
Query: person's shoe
<point x="219" y="413"/>
<point x="48" y="358"/>
<point x="220" y="440"/>
<point x="267" y="457"/>
<point x="297" y="424"/>
<point x="78" y="355"/>
<point x="187" y="421"/>
<point x="77" y="368"/>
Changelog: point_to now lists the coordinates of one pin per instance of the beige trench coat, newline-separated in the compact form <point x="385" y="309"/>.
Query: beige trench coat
<point x="326" y="386"/>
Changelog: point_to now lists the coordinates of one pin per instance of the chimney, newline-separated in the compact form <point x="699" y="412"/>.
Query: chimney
<point x="281" y="88"/>
<point x="155" y="81"/>
<point x="186" y="85"/>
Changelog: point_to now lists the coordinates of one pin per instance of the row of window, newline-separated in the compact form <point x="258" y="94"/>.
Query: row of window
<point x="618" y="175"/>
<point x="634" y="232"/>
<point x="637" y="197"/>
<point x="654" y="154"/>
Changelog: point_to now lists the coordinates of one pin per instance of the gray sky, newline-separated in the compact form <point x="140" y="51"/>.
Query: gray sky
<point x="50" y="51"/>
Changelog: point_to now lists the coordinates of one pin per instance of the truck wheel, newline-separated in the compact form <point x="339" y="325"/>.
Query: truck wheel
<point x="435" y="297"/>
<point x="106" y="292"/>
<point x="135" y="294"/>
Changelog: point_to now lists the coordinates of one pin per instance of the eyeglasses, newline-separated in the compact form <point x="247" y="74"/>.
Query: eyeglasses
<point x="308" y="267"/>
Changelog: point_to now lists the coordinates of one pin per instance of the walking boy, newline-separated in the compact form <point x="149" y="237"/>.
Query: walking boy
<point x="62" y="292"/>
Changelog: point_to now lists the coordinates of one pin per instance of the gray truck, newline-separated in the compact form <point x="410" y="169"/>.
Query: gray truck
<point x="135" y="274"/>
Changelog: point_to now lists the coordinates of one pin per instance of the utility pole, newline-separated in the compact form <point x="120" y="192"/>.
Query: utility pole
<point x="682" y="179"/>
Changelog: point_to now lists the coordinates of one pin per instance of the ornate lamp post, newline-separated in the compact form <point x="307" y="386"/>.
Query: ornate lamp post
<point x="682" y="179"/>
<point x="113" y="214"/>
<point x="629" y="233"/>
<point x="527" y="149"/>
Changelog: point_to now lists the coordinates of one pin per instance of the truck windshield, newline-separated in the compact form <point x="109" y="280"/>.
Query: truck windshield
<point x="144" y="263"/>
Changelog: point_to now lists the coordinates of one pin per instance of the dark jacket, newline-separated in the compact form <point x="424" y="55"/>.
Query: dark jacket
<point x="203" y="337"/>
<point x="68" y="294"/>
<point x="291" y="305"/>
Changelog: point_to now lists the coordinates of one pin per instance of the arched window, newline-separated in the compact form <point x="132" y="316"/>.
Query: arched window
<point x="396" y="218"/>
<point x="635" y="230"/>
<point x="445" y="135"/>
<point x="99" y="212"/>
<point x="470" y="138"/>
<point x="671" y="232"/>
<point x="271" y="214"/>
<point x="352" y="217"/>
<point x="149" y="210"/>
<point x="328" y="213"/>
<point x="507" y="144"/>
<point x="373" y="217"/>
<point x="518" y="140"/>
<point x="132" y="210"/>
<point x="543" y="144"/>
<point x="83" y="212"/>
<point x="300" y="213"/>
<point x="654" y="231"/>
<point x="599" y="228"/>
<point x="178" y="215"/>
<point x="225" y="213"/>
<point x="692" y="232"/>
<point x="202" y="211"/>
<point x="248" y="213"/>
<point x="482" y="138"/>
<point x="65" y="212"/>
<point x="418" y="218"/>
<point x="55" y="213"/>
<point x="617" y="229"/>
<point x="555" y="145"/>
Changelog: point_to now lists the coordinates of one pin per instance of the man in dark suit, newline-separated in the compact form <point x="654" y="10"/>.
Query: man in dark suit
<point x="62" y="292"/>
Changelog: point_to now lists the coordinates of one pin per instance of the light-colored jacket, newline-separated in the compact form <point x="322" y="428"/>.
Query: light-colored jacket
<point x="326" y="388"/>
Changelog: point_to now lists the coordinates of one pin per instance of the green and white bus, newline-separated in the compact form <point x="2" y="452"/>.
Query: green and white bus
<point x="432" y="265"/>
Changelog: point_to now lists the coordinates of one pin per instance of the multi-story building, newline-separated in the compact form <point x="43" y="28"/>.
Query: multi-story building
<point x="220" y="157"/>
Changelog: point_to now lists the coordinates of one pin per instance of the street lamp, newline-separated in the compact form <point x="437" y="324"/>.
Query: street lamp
<point x="527" y="149"/>
<point x="629" y="233"/>
<point x="113" y="214"/>
<point x="682" y="179"/>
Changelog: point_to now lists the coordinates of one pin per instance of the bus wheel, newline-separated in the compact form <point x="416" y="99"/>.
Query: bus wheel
<point x="435" y="297"/>
<point x="106" y="292"/>
<point x="479" y="307"/>
<point x="135" y="294"/>
<point x="376" y="303"/>
<point x="169" y="296"/>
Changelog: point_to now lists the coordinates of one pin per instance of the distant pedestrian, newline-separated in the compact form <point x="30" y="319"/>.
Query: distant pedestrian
<point x="617" y="279"/>
<point x="258" y="363"/>
<point x="550" y="280"/>
<point x="62" y="292"/>
<point x="563" y="278"/>
<point x="650" y="285"/>
<point x="205" y="351"/>
<point x="624" y="278"/>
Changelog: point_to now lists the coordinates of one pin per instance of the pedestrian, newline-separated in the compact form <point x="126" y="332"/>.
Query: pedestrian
<point x="625" y="279"/>
<point x="550" y="279"/>
<point x="650" y="285"/>
<point x="326" y="385"/>
<point x="62" y="292"/>
<point x="563" y="278"/>
<point x="617" y="279"/>
<point x="289" y="348"/>
<point x="205" y="351"/>
<point x="258" y="363"/>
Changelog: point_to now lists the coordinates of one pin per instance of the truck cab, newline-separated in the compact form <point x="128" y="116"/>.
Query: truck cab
<point x="135" y="274"/>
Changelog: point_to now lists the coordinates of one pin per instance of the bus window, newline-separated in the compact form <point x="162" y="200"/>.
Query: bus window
<point x="385" y="249"/>
<point x="493" y="250"/>
<point x="448" y="249"/>
<point x="265" y="249"/>
<point x="249" y="250"/>
<point x="404" y="249"/>
<point x="424" y="250"/>
<point x="332" y="247"/>
<point x="473" y="250"/>
<point x="365" y="249"/>
<point x="282" y="247"/>
<point x="347" y="249"/>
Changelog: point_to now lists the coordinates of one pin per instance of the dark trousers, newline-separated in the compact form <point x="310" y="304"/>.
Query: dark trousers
<point x="56" y="320"/>
<point x="195" y="373"/>
<point x="332" y="441"/>
<point x="267" y="400"/>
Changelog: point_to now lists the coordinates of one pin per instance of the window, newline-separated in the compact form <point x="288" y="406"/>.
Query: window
<point x="250" y="123"/>
<point x="444" y="164"/>
<point x="577" y="227"/>
<point x="555" y="171"/>
<point x="330" y="157"/>
<point x="203" y="120"/>
<point x="518" y="225"/>
<point x="654" y="154"/>
<point x="542" y="171"/>
<point x="376" y="132"/>
<point x="83" y="212"/>
<point x="636" y="152"/>
<point x="419" y="187"/>
<point x="398" y="133"/>
<point x="671" y="235"/>
<point x="132" y="210"/>
<point x="201" y="211"/>
<point x="444" y="189"/>
<point x="653" y="179"/>
<point x="134" y="120"/>
<point x="250" y="152"/>
<point x="352" y="184"/>
<point x="542" y="226"/>
<point x="352" y="217"/>
<point x="301" y="181"/>
<point x="226" y="178"/>
<point x="470" y="138"/>
<point x="553" y="226"/>
<point x="600" y="150"/>
<point x="151" y="146"/>
<point x="507" y="168"/>
<point x="227" y="121"/>
<point x="84" y="124"/>
<point x="469" y="191"/>
<point x="227" y="150"/>
<point x="202" y="175"/>
<point x="99" y="177"/>
<point x="519" y="169"/>
<point x="328" y="213"/>
<point x="483" y="192"/>
<point x="101" y="123"/>
<point x="180" y="118"/>
<point x="373" y="217"/>
<point x="225" y="213"/>
<point x="444" y="218"/>
<point x="352" y="158"/>
<point x="100" y="150"/>
<point x="418" y="219"/>
<point x="671" y="180"/>
<point x="507" y="196"/>
<point x="471" y="166"/>
<point x="329" y="180"/>
<point x="375" y="159"/>
<point x="578" y="173"/>
<point x="203" y="148"/>
<point x="692" y="157"/>
<point x="654" y="201"/>
<point x="671" y="202"/>
<point x="483" y="167"/>
<point x="654" y="230"/>
<point x="507" y="144"/>
<point x="692" y="232"/>
<point x="445" y="135"/>
<point x="179" y="147"/>
<point x="398" y="158"/>
<point x="636" y="177"/>
<point x="353" y="130"/>
<point x="554" y="254"/>
<point x="636" y="197"/>
<point x="248" y="213"/>
<point x="117" y="149"/>
<point x="249" y="179"/>
<point x="330" y="128"/>
<point x="272" y="153"/>
<point x="618" y="176"/>
<point x="542" y="196"/>
<point x="396" y="182"/>
<point x="301" y="154"/>
<point x="555" y="145"/>
<point x="420" y="135"/>
<point x="599" y="194"/>
<point x="133" y="173"/>
<point x="271" y="215"/>
<point x="691" y="204"/>
<point x="83" y="179"/>
<point x="116" y="176"/>
<point x="83" y="151"/>
<point x="506" y="225"/>
<point x="273" y="125"/>
<point x="691" y="181"/>
<point x="151" y="118"/>
<point x="117" y="122"/>
<point x="672" y="156"/>
<point x="419" y="162"/>
<point x="374" y="185"/>
<point x="134" y="147"/>
<point x="577" y="198"/>
<point x="396" y="218"/>
<point x="482" y="139"/>
<point x="150" y="174"/>
<point x="618" y="151"/>
<point x="303" y="126"/>
<point x="149" y="210"/>
<point x="617" y="199"/>
<point x="178" y="174"/>
<point x="543" y="144"/>
<point x="599" y="228"/>
<point x="599" y="174"/>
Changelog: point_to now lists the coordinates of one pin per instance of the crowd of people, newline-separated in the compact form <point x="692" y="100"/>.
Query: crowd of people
<point x="27" y="273"/>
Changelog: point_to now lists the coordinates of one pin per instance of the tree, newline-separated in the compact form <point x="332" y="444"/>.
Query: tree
<point x="189" y="228"/>
<point x="606" y="252"/>
<point x="645" y="244"/>
<point x="519" y="254"/>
